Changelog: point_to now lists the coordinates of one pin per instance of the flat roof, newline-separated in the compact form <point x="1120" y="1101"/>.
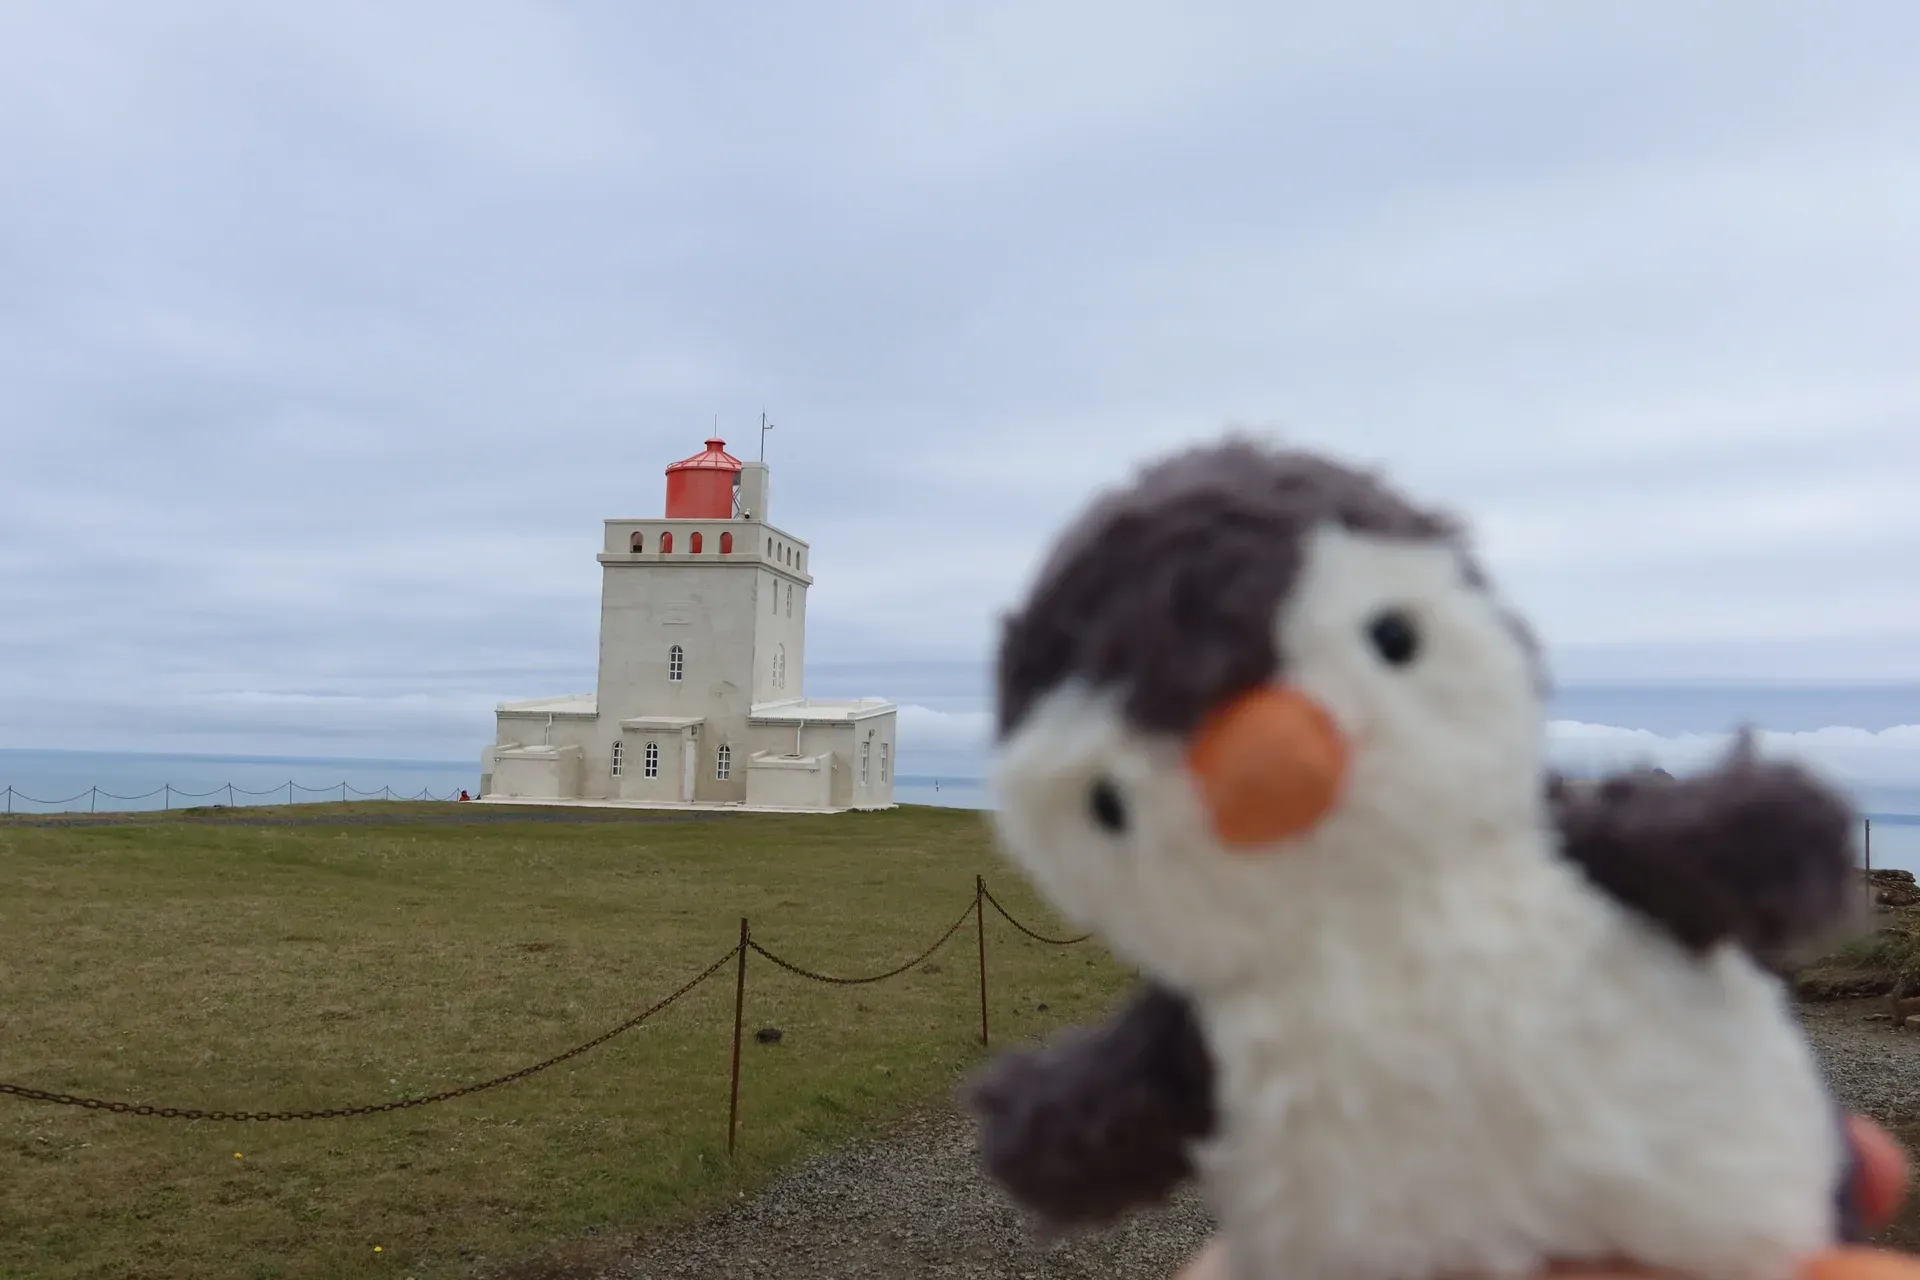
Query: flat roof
<point x="820" y="710"/>
<point x="661" y="722"/>
<point x="573" y="704"/>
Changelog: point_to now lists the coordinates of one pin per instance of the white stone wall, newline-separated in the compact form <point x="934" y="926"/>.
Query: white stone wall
<point x="777" y="780"/>
<point x="547" y="777"/>
<point x="875" y="739"/>
<point x="646" y="610"/>
<point x="780" y="618"/>
<point x="633" y="782"/>
<point x="531" y="729"/>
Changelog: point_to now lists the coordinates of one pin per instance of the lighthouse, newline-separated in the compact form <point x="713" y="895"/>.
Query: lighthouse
<point x="701" y="699"/>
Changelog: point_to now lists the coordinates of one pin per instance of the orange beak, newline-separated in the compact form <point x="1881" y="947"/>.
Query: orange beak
<point x="1270" y="765"/>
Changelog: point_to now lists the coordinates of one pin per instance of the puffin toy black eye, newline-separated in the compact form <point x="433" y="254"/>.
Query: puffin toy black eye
<point x="1109" y="811"/>
<point x="1394" y="637"/>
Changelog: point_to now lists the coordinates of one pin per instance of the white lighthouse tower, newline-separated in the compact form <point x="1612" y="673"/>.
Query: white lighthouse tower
<point x="701" y="700"/>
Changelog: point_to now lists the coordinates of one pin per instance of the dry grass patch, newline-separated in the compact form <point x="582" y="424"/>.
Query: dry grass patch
<point x="212" y="963"/>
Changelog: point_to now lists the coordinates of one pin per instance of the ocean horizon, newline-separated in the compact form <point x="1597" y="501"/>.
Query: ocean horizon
<point x="78" y="781"/>
<point x="1866" y="737"/>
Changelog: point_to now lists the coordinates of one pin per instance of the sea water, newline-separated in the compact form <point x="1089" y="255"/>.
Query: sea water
<point x="1864" y="737"/>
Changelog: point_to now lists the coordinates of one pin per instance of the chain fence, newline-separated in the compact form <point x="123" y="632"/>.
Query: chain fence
<point x="747" y="945"/>
<point x="279" y="793"/>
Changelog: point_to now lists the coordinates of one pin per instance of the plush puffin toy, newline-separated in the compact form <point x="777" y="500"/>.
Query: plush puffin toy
<point x="1413" y="1008"/>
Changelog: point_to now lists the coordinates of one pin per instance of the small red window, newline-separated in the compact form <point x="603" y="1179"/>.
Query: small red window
<point x="693" y="544"/>
<point x="726" y="544"/>
<point x="666" y="544"/>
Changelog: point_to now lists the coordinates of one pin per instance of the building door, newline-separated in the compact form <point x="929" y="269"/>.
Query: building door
<point x="688" y="762"/>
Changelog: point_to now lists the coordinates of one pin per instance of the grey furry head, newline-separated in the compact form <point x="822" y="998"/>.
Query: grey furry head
<point x="1165" y="590"/>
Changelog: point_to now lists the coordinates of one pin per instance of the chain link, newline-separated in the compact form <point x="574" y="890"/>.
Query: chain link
<point x="400" y="1104"/>
<point x="1037" y="937"/>
<point x="791" y="967"/>
<point x="404" y="1104"/>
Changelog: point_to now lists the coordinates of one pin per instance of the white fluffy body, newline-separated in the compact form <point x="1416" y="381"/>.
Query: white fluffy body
<point x="1438" y="1050"/>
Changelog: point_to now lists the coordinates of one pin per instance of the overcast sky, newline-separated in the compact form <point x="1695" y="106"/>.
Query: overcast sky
<point x="330" y="332"/>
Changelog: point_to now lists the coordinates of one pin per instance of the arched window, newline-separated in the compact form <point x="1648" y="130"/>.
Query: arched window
<point x="769" y="548"/>
<point x="800" y="562"/>
<point x="676" y="663"/>
<point x="773" y="598"/>
<point x="616" y="749"/>
<point x="780" y="667"/>
<point x="789" y="599"/>
<point x="723" y="763"/>
<point x="726" y="544"/>
<point x="666" y="544"/>
<point x="652" y="759"/>
<point x="638" y="543"/>
<point x="693" y="543"/>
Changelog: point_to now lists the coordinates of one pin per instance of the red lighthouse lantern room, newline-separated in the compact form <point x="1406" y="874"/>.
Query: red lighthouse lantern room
<point x="702" y="487"/>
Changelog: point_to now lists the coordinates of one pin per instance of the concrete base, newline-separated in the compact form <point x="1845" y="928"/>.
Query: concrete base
<point x="697" y="806"/>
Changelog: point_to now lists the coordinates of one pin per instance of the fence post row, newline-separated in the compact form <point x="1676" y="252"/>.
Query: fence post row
<point x="738" y="954"/>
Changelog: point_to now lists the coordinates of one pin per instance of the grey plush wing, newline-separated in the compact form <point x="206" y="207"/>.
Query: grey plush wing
<point x="1754" y="852"/>
<point x="1100" y="1121"/>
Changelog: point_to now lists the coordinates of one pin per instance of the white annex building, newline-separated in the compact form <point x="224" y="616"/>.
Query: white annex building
<point x="703" y="624"/>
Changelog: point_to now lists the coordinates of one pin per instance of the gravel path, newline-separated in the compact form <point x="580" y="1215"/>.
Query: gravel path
<point x="1874" y="1069"/>
<point x="913" y="1205"/>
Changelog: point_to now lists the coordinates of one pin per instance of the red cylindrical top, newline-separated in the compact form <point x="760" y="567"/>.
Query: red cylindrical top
<point x="701" y="487"/>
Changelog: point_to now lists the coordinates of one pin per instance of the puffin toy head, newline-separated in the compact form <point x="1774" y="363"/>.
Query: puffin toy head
<point x="1251" y="688"/>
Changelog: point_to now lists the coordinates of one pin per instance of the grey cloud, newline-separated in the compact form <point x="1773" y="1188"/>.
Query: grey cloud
<point x="330" y="334"/>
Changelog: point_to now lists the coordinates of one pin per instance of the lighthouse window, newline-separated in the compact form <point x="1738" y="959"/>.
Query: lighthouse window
<point x="789" y="599"/>
<point x="773" y="598"/>
<point x="676" y="663"/>
<point x="638" y="543"/>
<point x="666" y="544"/>
<point x="769" y="548"/>
<point x="886" y="750"/>
<point x="723" y="762"/>
<point x="653" y="760"/>
<point x="616" y="759"/>
<point x="865" y="747"/>
<point x="726" y="544"/>
<point x="693" y="544"/>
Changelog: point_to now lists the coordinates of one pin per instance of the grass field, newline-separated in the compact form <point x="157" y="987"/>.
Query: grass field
<point x="236" y="962"/>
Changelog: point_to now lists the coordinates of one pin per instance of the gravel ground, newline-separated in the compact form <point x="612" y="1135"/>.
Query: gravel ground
<point x="1874" y="1069"/>
<point x="913" y="1205"/>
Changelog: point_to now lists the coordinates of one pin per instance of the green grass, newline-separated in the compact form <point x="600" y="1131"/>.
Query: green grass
<point x="197" y="962"/>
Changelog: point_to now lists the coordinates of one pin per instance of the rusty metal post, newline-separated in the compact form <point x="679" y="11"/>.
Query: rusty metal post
<point x="980" y="931"/>
<point x="1867" y="856"/>
<point x="739" y="1013"/>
